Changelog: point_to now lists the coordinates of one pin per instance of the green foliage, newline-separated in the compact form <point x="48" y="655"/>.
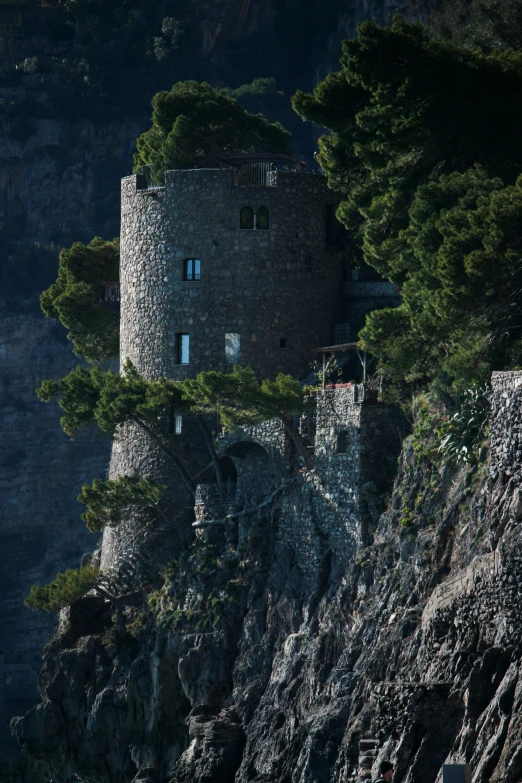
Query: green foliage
<point x="171" y="32"/>
<point x="427" y="155"/>
<point x="462" y="434"/>
<point x="63" y="590"/>
<point x="109" y="399"/>
<point x="239" y="398"/>
<point x="74" y="298"/>
<point x="108" y="501"/>
<point x="193" y="120"/>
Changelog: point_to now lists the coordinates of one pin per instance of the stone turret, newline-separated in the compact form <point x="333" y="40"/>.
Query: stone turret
<point x="214" y="272"/>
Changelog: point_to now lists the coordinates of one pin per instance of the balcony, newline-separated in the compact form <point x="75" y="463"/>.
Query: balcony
<point x="110" y="296"/>
<point x="213" y="502"/>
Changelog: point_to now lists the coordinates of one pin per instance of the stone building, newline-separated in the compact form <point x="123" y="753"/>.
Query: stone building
<point x="334" y="507"/>
<point x="219" y="267"/>
<point x="214" y="272"/>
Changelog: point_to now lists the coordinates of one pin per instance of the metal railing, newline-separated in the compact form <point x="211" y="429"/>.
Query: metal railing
<point x="255" y="174"/>
<point x="215" y="494"/>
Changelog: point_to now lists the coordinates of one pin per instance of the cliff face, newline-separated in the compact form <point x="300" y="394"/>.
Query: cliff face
<point x="277" y="653"/>
<point x="41" y="473"/>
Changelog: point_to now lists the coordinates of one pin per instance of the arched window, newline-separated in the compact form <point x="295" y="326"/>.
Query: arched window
<point x="246" y="219"/>
<point x="342" y="442"/>
<point x="262" y="218"/>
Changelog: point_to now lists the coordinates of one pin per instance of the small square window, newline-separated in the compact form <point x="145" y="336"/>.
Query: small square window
<point x="282" y="342"/>
<point x="192" y="269"/>
<point x="232" y="348"/>
<point x="178" y="424"/>
<point x="183" y="348"/>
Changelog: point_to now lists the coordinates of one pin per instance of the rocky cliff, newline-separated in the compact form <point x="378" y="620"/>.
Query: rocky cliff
<point x="255" y="661"/>
<point x="41" y="473"/>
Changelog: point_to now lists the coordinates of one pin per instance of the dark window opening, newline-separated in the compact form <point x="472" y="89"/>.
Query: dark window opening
<point x="262" y="218"/>
<point x="192" y="269"/>
<point x="282" y="342"/>
<point x="342" y="442"/>
<point x="183" y="346"/>
<point x="246" y="219"/>
<point x="170" y="420"/>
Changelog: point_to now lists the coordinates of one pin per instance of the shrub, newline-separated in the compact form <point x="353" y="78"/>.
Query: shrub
<point x="63" y="590"/>
<point x="462" y="434"/>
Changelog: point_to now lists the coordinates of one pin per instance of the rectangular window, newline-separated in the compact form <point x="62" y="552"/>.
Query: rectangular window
<point x="170" y="420"/>
<point x="178" y="424"/>
<point x="183" y="344"/>
<point x="192" y="269"/>
<point x="232" y="348"/>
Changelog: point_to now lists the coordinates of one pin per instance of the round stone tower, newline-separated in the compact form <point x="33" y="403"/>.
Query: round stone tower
<point x="214" y="273"/>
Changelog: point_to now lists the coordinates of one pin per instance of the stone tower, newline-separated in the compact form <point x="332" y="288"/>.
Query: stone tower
<point x="188" y="267"/>
<point x="214" y="273"/>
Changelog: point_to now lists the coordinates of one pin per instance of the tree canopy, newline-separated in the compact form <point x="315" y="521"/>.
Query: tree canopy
<point x="108" y="501"/>
<point x="425" y="147"/>
<point x="193" y="120"/>
<point x="63" y="590"/>
<point x="74" y="299"/>
<point x="110" y="400"/>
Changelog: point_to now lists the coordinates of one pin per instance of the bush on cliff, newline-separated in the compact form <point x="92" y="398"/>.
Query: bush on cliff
<point x="74" y="299"/>
<point x="425" y="146"/>
<point x="193" y="120"/>
<point x="63" y="590"/>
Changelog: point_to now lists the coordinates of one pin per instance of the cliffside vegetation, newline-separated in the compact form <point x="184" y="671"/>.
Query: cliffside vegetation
<point x="425" y="147"/>
<point x="74" y="298"/>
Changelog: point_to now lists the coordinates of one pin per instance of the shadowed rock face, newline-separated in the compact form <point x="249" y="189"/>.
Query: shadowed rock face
<point x="41" y="473"/>
<point x="292" y="674"/>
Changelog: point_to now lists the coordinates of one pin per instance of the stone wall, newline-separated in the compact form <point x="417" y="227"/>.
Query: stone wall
<point x="326" y="509"/>
<point x="505" y="429"/>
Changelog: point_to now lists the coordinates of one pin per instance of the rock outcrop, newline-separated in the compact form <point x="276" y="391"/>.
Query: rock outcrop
<point x="241" y="669"/>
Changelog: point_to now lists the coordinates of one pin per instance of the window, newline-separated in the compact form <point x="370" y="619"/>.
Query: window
<point x="282" y="342"/>
<point x="262" y="218"/>
<point x="183" y="344"/>
<point x="246" y="219"/>
<point x="178" y="424"/>
<point x="342" y="442"/>
<point x="232" y="347"/>
<point x="192" y="269"/>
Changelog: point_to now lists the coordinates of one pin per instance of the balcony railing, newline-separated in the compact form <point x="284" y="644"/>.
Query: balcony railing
<point x="215" y="494"/>
<point x="110" y="296"/>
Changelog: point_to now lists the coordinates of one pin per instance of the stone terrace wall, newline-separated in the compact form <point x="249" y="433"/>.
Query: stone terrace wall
<point x="505" y="429"/>
<point x="323" y="510"/>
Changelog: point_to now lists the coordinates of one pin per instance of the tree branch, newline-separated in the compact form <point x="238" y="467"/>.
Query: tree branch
<point x="191" y="486"/>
